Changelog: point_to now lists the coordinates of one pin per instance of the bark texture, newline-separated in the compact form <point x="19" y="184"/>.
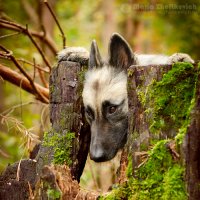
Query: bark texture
<point x="192" y="150"/>
<point x="138" y="79"/>
<point x="66" y="115"/>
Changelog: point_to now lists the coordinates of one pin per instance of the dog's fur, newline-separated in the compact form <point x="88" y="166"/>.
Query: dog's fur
<point x="105" y="100"/>
<point x="105" y="92"/>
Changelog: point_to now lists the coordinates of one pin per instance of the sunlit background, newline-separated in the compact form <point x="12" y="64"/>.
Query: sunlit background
<point x="154" y="27"/>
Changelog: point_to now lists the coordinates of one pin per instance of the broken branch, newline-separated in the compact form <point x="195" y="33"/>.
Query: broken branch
<point x="36" y="92"/>
<point x="17" y="79"/>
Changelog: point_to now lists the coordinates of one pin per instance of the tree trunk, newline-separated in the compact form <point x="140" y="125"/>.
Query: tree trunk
<point x="109" y="25"/>
<point x="139" y="79"/>
<point x="192" y="149"/>
<point x="140" y="134"/>
<point x="67" y="118"/>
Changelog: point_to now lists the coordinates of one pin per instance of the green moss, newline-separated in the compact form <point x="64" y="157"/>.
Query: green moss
<point x="81" y="73"/>
<point x="121" y="192"/>
<point x="169" y="101"/>
<point x="52" y="88"/>
<point x="130" y="72"/>
<point x="81" y="78"/>
<point x="53" y="194"/>
<point x="160" y="177"/>
<point x="61" y="144"/>
<point x="154" y="176"/>
<point x="173" y="184"/>
<point x="129" y="170"/>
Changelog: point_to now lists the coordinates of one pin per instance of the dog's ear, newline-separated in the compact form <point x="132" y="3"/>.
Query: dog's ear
<point x="120" y="53"/>
<point x="95" y="60"/>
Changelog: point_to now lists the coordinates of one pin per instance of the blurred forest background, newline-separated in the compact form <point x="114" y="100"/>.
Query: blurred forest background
<point x="162" y="27"/>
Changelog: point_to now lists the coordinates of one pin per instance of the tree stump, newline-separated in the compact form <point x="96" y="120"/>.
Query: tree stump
<point x="67" y="119"/>
<point x="192" y="149"/>
<point x="183" y="147"/>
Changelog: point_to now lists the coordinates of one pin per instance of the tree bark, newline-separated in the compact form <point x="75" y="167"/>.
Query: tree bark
<point x="192" y="149"/>
<point x="66" y="111"/>
<point x="138" y="133"/>
<point x="66" y="115"/>
<point x="141" y="77"/>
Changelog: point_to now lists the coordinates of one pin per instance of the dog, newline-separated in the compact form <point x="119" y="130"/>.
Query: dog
<point x="104" y="94"/>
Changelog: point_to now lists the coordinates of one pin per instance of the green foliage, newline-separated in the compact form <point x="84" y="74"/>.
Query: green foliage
<point x="53" y="194"/>
<point x="9" y="150"/>
<point x="129" y="170"/>
<point x="61" y="144"/>
<point x="181" y="19"/>
<point x="121" y="192"/>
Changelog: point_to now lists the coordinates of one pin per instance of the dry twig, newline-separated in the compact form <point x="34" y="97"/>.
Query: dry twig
<point x="38" y="66"/>
<point x="21" y="29"/>
<point x="9" y="35"/>
<point x="38" y="48"/>
<point x="18" y="170"/>
<point x="35" y="90"/>
<point x="57" y="22"/>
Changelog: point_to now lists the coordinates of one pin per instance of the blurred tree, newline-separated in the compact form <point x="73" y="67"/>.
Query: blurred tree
<point x="183" y="17"/>
<point x="20" y="114"/>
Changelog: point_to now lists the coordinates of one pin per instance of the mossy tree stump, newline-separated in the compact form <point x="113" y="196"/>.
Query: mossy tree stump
<point x="68" y="141"/>
<point x="162" y="151"/>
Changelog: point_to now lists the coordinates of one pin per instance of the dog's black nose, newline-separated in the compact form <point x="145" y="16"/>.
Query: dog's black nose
<point x="97" y="154"/>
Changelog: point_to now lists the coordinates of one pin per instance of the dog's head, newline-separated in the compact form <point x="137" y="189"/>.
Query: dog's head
<point x="105" y="99"/>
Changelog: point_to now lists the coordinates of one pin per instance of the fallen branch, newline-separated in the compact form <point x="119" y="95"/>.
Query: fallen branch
<point x="15" y="78"/>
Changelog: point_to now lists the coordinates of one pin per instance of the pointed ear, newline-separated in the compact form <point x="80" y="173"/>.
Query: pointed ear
<point x="95" y="60"/>
<point x="120" y="52"/>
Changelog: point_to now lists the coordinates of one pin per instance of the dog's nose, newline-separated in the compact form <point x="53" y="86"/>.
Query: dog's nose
<point x="97" y="154"/>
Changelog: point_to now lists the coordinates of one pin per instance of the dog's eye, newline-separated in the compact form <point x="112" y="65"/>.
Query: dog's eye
<point x="112" y="109"/>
